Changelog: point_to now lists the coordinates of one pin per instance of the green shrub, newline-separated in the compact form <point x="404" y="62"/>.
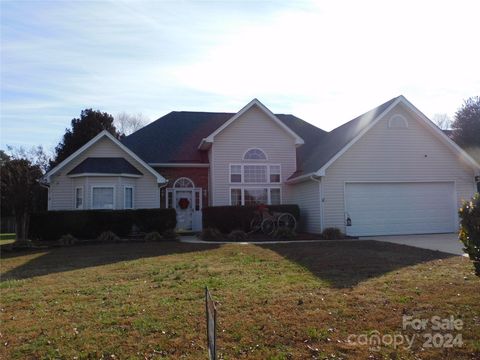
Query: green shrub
<point x="469" y="233"/>
<point x="108" y="236"/>
<point x="89" y="224"/>
<point x="153" y="236"/>
<point x="229" y="218"/>
<point x="170" y="234"/>
<point x="284" y="233"/>
<point x="332" y="234"/>
<point x="211" y="234"/>
<point x="238" y="235"/>
<point x="67" y="240"/>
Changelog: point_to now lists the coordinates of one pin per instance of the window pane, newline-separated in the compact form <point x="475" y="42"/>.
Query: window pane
<point x="197" y="200"/>
<point x="255" y="154"/>
<point x="78" y="198"/>
<point x="128" y="198"/>
<point x="169" y="199"/>
<point x="255" y="173"/>
<point x="236" y="197"/>
<point x="236" y="173"/>
<point x="255" y="197"/>
<point x="102" y="198"/>
<point x="275" y="196"/>
<point x="274" y="173"/>
<point x="236" y="178"/>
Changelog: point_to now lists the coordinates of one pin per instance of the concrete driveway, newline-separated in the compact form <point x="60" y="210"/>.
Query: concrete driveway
<point x="448" y="243"/>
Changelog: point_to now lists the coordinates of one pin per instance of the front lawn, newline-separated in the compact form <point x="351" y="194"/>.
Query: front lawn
<point x="275" y="301"/>
<point x="7" y="238"/>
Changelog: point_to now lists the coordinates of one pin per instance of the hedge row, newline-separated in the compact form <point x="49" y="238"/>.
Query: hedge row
<point x="229" y="218"/>
<point x="89" y="224"/>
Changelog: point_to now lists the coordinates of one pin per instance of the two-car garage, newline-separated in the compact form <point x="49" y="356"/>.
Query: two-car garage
<point x="390" y="208"/>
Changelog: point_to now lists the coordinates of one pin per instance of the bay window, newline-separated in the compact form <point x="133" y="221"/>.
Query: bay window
<point x="79" y="198"/>
<point x="103" y="197"/>
<point x="128" y="197"/>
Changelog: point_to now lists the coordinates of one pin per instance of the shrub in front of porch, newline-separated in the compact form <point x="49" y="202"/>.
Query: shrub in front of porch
<point x="229" y="218"/>
<point x="89" y="224"/>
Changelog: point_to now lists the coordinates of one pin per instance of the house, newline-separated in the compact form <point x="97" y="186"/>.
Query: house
<point x="388" y="171"/>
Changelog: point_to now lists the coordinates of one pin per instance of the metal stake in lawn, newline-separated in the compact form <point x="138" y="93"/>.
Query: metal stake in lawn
<point x="211" y="311"/>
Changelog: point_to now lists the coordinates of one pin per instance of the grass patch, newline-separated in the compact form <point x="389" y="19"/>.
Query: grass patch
<point x="7" y="238"/>
<point x="275" y="301"/>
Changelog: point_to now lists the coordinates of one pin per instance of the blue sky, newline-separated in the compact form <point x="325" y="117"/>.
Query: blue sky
<point x="325" y="62"/>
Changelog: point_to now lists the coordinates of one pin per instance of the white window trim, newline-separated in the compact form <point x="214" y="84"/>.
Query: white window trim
<point x="242" y="165"/>
<point x="255" y="148"/>
<point x="75" y="198"/>
<point x="242" y="189"/>
<point x="125" y="197"/>
<point x="183" y="178"/>
<point x="103" y="186"/>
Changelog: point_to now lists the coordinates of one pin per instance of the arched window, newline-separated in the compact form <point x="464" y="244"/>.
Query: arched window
<point x="254" y="154"/>
<point x="397" y="122"/>
<point x="183" y="182"/>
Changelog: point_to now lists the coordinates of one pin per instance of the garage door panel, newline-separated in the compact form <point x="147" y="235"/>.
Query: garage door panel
<point x="400" y="208"/>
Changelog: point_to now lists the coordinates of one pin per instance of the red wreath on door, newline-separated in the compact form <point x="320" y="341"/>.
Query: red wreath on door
<point x="183" y="203"/>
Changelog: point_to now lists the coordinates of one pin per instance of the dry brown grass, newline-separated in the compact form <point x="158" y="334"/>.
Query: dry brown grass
<point x="277" y="301"/>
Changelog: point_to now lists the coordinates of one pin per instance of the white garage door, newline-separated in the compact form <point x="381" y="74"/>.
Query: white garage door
<point x="400" y="208"/>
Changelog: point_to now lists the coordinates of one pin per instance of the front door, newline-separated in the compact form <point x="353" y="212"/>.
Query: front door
<point x="184" y="207"/>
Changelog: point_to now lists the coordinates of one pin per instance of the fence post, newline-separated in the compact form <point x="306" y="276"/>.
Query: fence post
<point x="211" y="312"/>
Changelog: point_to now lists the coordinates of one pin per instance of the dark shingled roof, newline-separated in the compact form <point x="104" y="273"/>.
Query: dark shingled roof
<point x="105" y="166"/>
<point x="174" y="138"/>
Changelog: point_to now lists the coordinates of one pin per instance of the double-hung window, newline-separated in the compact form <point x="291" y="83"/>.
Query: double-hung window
<point x="236" y="173"/>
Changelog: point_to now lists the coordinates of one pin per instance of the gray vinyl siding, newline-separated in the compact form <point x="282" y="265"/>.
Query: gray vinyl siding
<point x="254" y="129"/>
<point x="307" y="196"/>
<point x="401" y="155"/>
<point x="62" y="187"/>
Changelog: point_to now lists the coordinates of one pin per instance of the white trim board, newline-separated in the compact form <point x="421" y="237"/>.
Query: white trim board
<point x="104" y="175"/>
<point x="104" y="133"/>
<point x="186" y="165"/>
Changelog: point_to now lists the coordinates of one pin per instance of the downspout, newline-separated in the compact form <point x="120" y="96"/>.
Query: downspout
<point x="321" y="199"/>
<point x="160" y="187"/>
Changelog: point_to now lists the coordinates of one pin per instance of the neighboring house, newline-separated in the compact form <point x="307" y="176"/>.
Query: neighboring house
<point x="388" y="171"/>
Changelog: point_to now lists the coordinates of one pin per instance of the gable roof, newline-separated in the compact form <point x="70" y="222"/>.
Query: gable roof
<point x="174" y="138"/>
<point x="101" y="135"/>
<point x="336" y="142"/>
<point x="104" y="165"/>
<point x="207" y="141"/>
<point x="337" y="139"/>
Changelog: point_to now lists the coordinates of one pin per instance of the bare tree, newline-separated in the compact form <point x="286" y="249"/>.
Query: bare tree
<point x="127" y="124"/>
<point x="36" y="155"/>
<point x="443" y="121"/>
